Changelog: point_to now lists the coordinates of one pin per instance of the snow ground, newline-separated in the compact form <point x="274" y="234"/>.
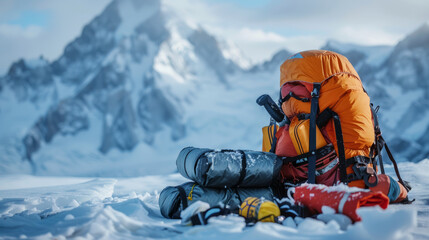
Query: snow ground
<point x="127" y="208"/>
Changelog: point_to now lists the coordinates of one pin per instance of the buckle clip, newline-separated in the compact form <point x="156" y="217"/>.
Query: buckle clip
<point x="368" y="174"/>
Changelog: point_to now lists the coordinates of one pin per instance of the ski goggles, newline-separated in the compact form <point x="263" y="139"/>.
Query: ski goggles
<point x="286" y="93"/>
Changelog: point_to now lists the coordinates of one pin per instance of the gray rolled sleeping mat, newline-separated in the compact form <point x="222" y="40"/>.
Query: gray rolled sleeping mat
<point x="173" y="200"/>
<point x="228" y="168"/>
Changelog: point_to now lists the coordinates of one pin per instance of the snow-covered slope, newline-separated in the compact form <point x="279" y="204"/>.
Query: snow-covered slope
<point x="127" y="208"/>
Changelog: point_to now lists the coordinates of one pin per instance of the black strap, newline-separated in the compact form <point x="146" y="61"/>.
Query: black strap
<point x="324" y="117"/>
<point x="183" y="198"/>
<point x="340" y="146"/>
<point x="196" y="162"/>
<point x="303" y="116"/>
<point x="379" y="155"/>
<point x="303" y="158"/>
<point x="377" y="133"/>
<point x="291" y="94"/>
<point x="380" y="142"/>
<point x="357" y="159"/>
<point x="243" y="168"/>
<point x="395" y="166"/>
<point x="361" y="170"/>
<point x="238" y="194"/>
<point x="312" y="141"/>
<point x="184" y="161"/>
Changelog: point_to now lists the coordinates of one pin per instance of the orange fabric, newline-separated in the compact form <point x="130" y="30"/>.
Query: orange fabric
<point x="384" y="187"/>
<point x="383" y="184"/>
<point x="341" y="91"/>
<point x="314" y="66"/>
<point x="402" y="195"/>
<point x="299" y="133"/>
<point x="267" y="131"/>
<point x="316" y="196"/>
<point x="285" y="146"/>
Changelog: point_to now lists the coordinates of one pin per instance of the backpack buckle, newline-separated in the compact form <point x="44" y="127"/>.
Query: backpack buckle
<point x="363" y="171"/>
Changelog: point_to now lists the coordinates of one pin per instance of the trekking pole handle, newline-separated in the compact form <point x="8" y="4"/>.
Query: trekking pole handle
<point x="272" y="108"/>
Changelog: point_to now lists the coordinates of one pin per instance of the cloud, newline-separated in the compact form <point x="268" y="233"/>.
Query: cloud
<point x="366" y="36"/>
<point x="257" y="35"/>
<point x="29" y="29"/>
<point x="18" y="31"/>
<point x="258" y="29"/>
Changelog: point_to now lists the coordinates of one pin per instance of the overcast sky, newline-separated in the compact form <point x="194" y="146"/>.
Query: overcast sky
<point x="258" y="27"/>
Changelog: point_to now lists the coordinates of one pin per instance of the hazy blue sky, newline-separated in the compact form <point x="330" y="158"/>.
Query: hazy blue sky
<point x="32" y="28"/>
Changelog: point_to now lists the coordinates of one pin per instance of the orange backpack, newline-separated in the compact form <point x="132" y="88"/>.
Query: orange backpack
<point x="329" y="122"/>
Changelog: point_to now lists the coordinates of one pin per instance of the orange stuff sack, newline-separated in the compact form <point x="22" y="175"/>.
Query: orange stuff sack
<point x="298" y="132"/>
<point x="340" y="198"/>
<point x="285" y="147"/>
<point x="268" y="137"/>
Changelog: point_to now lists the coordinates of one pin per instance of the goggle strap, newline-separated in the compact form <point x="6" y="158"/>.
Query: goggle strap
<point x="291" y="94"/>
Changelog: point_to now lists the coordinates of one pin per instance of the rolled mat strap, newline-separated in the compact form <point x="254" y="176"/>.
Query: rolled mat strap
<point x="243" y="168"/>
<point x="182" y="195"/>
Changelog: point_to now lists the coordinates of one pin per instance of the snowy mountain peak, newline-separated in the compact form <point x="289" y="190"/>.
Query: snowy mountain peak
<point x="360" y="55"/>
<point x="126" y="78"/>
<point x="274" y="63"/>
<point x="29" y="79"/>
<point x="417" y="39"/>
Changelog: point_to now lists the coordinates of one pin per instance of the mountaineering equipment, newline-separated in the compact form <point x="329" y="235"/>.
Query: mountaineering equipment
<point x="269" y="137"/>
<point x="255" y="209"/>
<point x="322" y="82"/>
<point x="202" y="218"/>
<point x="342" y="200"/>
<point x="173" y="200"/>
<point x="298" y="130"/>
<point x="288" y="208"/>
<point x="269" y="141"/>
<point x="322" y="95"/>
<point x="228" y="168"/>
<point x="267" y="102"/>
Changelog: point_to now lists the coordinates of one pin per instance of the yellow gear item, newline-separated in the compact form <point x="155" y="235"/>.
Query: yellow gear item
<point x="268" y="137"/>
<point x="190" y="193"/>
<point x="299" y="132"/>
<point x="259" y="209"/>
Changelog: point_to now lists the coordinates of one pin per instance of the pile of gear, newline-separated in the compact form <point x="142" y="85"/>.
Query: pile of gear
<point x="323" y="133"/>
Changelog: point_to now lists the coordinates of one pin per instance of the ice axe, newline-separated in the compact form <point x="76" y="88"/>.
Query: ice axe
<point x="272" y="108"/>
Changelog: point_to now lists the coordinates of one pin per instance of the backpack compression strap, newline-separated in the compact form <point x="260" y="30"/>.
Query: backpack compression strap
<point x="406" y="185"/>
<point x="312" y="141"/>
<point x="321" y="121"/>
<point x="378" y="142"/>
